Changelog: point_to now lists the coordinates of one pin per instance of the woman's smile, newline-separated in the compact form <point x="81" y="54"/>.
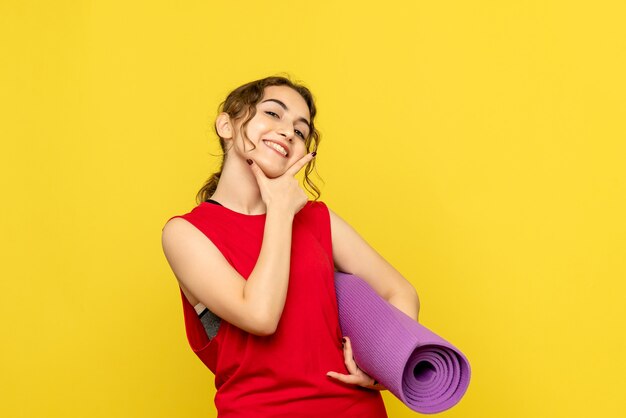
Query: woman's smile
<point x="276" y="148"/>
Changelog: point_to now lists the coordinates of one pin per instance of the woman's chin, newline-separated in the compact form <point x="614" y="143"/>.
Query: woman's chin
<point x="271" y="171"/>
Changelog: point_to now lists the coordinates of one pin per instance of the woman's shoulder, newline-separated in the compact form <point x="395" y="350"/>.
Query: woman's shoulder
<point x="315" y="212"/>
<point x="318" y="204"/>
<point x="315" y="209"/>
<point x="181" y="217"/>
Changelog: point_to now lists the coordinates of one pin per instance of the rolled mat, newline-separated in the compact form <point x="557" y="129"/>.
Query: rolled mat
<point x="424" y="371"/>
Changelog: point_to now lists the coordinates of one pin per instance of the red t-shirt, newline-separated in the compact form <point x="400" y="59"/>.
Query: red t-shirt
<point x="283" y="374"/>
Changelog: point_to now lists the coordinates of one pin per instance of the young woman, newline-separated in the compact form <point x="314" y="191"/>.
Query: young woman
<point x="255" y="262"/>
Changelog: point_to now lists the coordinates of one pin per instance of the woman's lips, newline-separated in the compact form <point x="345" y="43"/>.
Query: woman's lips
<point x="273" y="149"/>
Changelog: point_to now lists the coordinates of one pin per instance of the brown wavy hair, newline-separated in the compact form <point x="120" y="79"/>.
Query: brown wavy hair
<point x="241" y="103"/>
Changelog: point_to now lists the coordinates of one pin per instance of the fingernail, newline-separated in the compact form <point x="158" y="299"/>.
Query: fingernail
<point x="249" y="161"/>
<point x="314" y="153"/>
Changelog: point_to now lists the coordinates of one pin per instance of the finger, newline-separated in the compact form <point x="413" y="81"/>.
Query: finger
<point x="297" y="166"/>
<point x="365" y="379"/>
<point x="349" y="358"/>
<point x="256" y="170"/>
<point x="345" y="378"/>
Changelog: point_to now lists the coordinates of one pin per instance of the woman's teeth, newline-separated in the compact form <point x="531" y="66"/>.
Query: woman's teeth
<point x="276" y="147"/>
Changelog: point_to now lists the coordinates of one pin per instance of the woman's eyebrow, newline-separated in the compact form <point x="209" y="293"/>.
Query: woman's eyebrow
<point x="284" y="106"/>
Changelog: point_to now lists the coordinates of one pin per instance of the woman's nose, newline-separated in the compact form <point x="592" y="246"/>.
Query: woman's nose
<point x="287" y="133"/>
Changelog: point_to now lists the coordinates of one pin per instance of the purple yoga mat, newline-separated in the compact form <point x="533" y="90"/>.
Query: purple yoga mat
<point x="424" y="371"/>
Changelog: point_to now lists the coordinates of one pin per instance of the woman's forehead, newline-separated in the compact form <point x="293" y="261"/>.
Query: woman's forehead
<point x="287" y="96"/>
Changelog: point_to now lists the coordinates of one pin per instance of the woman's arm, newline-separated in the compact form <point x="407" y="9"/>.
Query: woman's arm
<point x="254" y="305"/>
<point x="353" y="255"/>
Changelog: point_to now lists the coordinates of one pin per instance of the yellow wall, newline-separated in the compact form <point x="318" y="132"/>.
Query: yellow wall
<point x="478" y="146"/>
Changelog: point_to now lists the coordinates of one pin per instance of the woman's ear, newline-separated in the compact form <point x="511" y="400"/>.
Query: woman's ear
<point x="224" y="126"/>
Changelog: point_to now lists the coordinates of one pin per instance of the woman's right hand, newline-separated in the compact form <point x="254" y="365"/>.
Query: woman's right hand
<point x="283" y="192"/>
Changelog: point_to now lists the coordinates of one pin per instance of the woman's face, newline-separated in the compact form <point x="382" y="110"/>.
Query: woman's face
<point x="281" y="120"/>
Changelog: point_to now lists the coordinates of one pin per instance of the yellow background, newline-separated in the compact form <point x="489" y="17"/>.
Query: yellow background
<point x="478" y="146"/>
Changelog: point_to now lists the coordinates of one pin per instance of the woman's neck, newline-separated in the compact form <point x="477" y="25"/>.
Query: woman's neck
<point x="238" y="189"/>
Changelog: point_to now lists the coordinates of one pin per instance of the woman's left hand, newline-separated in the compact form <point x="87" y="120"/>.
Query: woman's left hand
<point x="356" y="376"/>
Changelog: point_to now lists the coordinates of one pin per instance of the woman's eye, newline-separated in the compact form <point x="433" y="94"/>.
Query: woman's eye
<point x="300" y="134"/>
